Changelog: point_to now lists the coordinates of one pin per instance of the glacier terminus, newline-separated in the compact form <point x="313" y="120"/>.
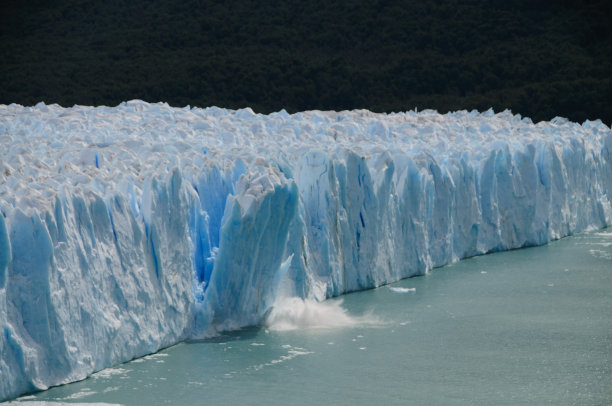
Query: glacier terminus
<point x="128" y="229"/>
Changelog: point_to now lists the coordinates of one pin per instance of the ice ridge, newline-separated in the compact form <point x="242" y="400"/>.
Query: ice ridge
<point x="128" y="229"/>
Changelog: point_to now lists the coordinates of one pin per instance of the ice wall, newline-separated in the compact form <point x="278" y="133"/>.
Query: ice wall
<point x="124" y="230"/>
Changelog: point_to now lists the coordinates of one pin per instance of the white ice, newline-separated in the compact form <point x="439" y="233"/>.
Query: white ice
<point x="402" y="290"/>
<point x="125" y="230"/>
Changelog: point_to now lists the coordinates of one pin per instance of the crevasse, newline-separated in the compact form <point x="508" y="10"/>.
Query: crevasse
<point x="128" y="229"/>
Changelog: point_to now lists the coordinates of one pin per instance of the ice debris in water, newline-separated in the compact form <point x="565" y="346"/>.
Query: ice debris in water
<point x="127" y="229"/>
<point x="402" y="290"/>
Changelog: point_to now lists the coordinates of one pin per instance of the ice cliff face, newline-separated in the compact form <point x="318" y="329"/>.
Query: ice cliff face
<point x="124" y="230"/>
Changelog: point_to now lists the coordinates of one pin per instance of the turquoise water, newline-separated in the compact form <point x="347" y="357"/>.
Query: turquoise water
<point x="526" y="327"/>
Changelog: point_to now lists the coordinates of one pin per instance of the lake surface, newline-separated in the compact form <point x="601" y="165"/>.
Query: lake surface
<point x="525" y="327"/>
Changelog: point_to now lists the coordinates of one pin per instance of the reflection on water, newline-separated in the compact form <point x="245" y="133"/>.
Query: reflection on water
<point x="525" y="327"/>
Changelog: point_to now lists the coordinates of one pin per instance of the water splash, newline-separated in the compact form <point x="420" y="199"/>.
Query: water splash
<point x="294" y="313"/>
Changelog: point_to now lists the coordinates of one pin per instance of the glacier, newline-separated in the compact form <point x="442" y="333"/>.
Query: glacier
<point x="127" y="229"/>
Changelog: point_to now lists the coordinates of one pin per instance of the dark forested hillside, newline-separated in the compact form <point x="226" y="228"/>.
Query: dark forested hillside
<point x="538" y="58"/>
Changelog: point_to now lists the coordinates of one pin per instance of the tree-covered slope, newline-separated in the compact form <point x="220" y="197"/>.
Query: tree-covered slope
<point x="538" y="58"/>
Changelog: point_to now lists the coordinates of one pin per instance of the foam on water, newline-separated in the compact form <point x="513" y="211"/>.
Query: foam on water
<point x="80" y="395"/>
<point x="108" y="372"/>
<point x="292" y="352"/>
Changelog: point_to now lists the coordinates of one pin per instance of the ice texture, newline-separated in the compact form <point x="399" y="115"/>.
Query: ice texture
<point x="128" y="229"/>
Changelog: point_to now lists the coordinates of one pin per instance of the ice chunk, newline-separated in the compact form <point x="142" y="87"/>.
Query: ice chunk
<point x="402" y="290"/>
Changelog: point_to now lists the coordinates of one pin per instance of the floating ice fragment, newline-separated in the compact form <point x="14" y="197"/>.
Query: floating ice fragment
<point x="108" y="372"/>
<point x="402" y="290"/>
